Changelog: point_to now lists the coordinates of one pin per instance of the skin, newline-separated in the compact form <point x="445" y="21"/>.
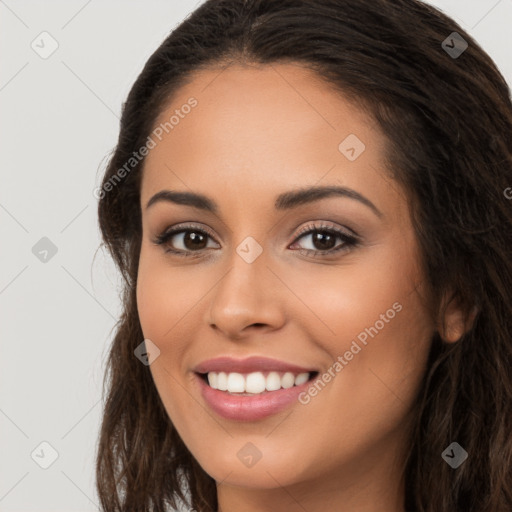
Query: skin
<point x="255" y="133"/>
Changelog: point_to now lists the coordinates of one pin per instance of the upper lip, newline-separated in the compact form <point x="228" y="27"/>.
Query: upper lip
<point x="251" y="364"/>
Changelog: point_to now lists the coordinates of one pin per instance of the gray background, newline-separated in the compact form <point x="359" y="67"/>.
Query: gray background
<point x="59" y="122"/>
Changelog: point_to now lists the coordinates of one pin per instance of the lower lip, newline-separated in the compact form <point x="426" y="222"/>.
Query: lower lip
<point x="250" y="408"/>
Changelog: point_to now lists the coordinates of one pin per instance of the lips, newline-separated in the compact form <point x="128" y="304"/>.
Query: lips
<point x="224" y="383"/>
<point x="249" y="365"/>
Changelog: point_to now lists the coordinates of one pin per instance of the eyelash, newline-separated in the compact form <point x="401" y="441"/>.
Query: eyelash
<point x="349" y="241"/>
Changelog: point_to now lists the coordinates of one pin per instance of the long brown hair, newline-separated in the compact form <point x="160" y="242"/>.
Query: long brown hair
<point x="448" y="120"/>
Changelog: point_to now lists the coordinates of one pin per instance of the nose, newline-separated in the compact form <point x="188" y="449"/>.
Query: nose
<point x="248" y="298"/>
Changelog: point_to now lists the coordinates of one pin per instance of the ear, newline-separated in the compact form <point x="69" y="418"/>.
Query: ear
<point x="457" y="320"/>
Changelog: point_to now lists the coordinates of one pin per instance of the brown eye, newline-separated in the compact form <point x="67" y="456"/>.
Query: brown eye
<point x="184" y="240"/>
<point x="323" y="240"/>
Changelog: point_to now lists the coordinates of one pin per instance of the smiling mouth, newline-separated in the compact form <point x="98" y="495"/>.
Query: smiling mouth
<point x="255" y="383"/>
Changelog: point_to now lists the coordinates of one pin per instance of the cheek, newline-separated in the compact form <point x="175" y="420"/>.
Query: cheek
<point x="379" y="326"/>
<point x="164" y="302"/>
<point x="166" y="295"/>
<point x="169" y="302"/>
<point x="381" y="291"/>
<point x="376" y="364"/>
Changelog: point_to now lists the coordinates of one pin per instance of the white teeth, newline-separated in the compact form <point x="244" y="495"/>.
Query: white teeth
<point x="255" y="382"/>
<point x="301" y="378"/>
<point x="288" y="380"/>
<point x="222" y="381"/>
<point x="273" y="382"/>
<point x="236" y="383"/>
<point x="212" y="380"/>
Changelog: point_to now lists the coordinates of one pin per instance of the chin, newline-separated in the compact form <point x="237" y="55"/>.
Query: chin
<point x="269" y="472"/>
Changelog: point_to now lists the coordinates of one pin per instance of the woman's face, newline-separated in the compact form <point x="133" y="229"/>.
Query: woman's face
<point x="247" y="282"/>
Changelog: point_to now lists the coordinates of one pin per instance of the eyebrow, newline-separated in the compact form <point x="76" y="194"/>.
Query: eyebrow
<point x="284" y="201"/>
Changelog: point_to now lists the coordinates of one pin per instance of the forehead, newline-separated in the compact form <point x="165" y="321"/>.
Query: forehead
<point x="263" y="129"/>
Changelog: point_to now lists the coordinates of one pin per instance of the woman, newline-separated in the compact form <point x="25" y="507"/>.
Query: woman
<point x="341" y="338"/>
